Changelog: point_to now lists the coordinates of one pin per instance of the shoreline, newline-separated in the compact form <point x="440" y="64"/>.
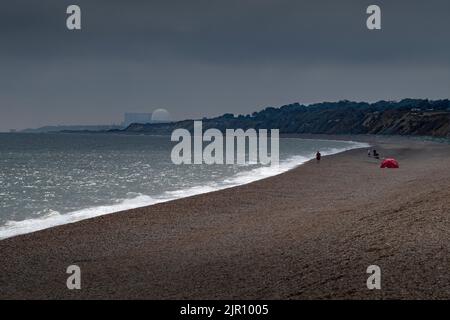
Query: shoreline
<point x="17" y="228"/>
<point x="308" y="233"/>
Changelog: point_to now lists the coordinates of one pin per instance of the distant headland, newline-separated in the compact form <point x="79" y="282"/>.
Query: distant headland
<point x="411" y="117"/>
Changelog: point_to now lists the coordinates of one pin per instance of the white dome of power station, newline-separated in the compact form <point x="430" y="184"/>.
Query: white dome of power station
<point x="161" y="115"/>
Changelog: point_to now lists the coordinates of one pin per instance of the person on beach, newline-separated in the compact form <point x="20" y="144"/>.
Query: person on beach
<point x="375" y="154"/>
<point x="318" y="156"/>
<point x="369" y="153"/>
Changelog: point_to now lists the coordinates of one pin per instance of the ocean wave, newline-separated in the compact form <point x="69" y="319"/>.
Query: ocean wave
<point x="54" y="218"/>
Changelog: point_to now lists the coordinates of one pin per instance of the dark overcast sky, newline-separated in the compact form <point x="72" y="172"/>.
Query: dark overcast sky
<point x="206" y="57"/>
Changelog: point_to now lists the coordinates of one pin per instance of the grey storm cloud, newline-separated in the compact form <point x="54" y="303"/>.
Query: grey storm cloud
<point x="206" y="57"/>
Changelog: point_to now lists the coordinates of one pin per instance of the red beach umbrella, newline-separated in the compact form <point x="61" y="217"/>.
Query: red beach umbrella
<point x="390" y="163"/>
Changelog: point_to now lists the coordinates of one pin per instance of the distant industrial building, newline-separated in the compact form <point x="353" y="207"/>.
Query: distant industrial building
<point x="130" y="118"/>
<point x="157" y="116"/>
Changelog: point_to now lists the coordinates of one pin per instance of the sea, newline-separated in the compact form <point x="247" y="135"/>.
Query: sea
<point x="58" y="178"/>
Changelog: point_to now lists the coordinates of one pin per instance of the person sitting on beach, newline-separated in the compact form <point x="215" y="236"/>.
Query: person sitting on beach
<point x="318" y="156"/>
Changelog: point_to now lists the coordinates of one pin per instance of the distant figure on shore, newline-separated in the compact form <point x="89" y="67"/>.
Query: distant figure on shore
<point x="376" y="154"/>
<point x="369" y="153"/>
<point x="318" y="156"/>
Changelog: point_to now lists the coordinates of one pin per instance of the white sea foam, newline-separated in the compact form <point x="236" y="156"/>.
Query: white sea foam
<point x="54" y="218"/>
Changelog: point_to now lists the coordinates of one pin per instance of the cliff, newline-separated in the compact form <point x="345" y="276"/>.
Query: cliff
<point x="406" y="117"/>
